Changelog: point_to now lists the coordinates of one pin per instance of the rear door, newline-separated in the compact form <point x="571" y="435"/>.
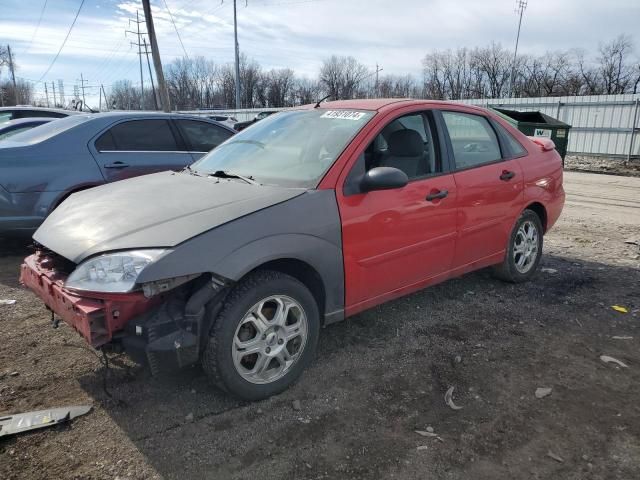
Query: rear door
<point x="490" y="189"/>
<point x="138" y="147"/>
<point x="201" y="137"/>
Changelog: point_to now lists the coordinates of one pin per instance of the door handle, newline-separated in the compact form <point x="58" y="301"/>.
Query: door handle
<point x="116" y="165"/>
<point x="507" y="175"/>
<point x="437" y="195"/>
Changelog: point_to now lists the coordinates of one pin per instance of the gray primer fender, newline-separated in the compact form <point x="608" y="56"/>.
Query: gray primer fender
<point x="305" y="228"/>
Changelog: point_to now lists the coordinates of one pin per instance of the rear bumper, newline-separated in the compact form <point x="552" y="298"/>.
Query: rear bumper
<point x="96" y="318"/>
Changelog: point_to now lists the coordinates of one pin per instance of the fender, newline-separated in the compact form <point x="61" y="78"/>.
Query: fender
<point x="234" y="249"/>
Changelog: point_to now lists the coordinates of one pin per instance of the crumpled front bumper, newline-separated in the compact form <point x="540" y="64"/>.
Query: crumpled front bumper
<point x="96" y="317"/>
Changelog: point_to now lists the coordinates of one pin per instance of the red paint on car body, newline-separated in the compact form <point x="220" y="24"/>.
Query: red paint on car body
<point x="97" y="317"/>
<point x="395" y="243"/>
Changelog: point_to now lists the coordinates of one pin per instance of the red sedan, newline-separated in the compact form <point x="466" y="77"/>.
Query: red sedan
<point x="310" y="216"/>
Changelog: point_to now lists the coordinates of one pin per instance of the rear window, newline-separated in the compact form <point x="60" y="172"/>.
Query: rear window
<point x="514" y="146"/>
<point x="49" y="130"/>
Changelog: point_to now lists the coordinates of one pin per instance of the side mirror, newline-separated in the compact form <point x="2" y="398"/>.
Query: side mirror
<point x="383" y="178"/>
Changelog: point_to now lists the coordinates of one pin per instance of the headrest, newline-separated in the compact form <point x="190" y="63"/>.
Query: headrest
<point x="405" y="143"/>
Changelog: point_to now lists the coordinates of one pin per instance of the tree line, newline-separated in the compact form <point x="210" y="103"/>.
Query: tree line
<point x="480" y="72"/>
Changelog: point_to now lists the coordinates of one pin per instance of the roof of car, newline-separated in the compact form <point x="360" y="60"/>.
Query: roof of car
<point x="375" y="104"/>
<point x="40" y="109"/>
<point x="19" y="121"/>
<point x="152" y="113"/>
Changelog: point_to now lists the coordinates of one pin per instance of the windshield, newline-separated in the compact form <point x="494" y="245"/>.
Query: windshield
<point x="48" y="130"/>
<point x="289" y="149"/>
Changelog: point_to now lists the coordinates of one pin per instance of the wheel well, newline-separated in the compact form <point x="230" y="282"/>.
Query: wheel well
<point x="539" y="209"/>
<point x="303" y="272"/>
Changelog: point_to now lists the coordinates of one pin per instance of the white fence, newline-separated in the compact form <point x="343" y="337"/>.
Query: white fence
<point x="602" y="125"/>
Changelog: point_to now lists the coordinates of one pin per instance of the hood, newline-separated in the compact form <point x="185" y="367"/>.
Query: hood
<point x="158" y="210"/>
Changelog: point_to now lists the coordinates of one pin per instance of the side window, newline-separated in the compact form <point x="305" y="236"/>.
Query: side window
<point x="515" y="148"/>
<point x="202" y="136"/>
<point x="406" y="143"/>
<point x="473" y="140"/>
<point x="138" y="135"/>
<point x="5" y="116"/>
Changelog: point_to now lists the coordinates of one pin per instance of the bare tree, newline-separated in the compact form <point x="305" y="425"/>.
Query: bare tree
<point x="342" y="77"/>
<point x="614" y="68"/>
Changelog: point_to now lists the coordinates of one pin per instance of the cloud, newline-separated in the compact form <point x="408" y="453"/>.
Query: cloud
<point x="299" y="33"/>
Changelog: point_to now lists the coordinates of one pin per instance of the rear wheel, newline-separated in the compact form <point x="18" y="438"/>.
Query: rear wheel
<point x="524" y="249"/>
<point x="264" y="337"/>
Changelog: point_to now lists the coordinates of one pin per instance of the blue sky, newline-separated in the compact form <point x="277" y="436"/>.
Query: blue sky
<point x="294" y="33"/>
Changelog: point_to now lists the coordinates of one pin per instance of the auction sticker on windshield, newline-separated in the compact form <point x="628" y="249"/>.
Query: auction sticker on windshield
<point x="343" y="114"/>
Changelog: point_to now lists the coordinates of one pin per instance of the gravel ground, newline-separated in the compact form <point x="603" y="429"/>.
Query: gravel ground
<point x="378" y="378"/>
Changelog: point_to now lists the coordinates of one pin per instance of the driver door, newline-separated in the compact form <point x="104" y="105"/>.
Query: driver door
<point x="397" y="241"/>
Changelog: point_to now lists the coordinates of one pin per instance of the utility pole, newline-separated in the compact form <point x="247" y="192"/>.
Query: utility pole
<point x="53" y="87"/>
<point x="61" y="92"/>
<point x="13" y="75"/>
<point x="106" y="102"/>
<point x="237" y="48"/>
<point x="153" y="87"/>
<point x="521" y="6"/>
<point x="378" y="70"/>
<point x="155" y="53"/>
<point x="46" y="93"/>
<point x="82" y="82"/>
<point x="139" y="45"/>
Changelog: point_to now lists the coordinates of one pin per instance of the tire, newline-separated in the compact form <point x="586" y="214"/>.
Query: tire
<point x="270" y="363"/>
<point x="513" y="268"/>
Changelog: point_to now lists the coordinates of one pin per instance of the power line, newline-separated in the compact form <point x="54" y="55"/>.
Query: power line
<point x="64" y="42"/>
<point x="37" y="28"/>
<point x="176" y="29"/>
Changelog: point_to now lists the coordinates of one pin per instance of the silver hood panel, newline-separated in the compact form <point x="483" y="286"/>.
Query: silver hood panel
<point x="158" y="210"/>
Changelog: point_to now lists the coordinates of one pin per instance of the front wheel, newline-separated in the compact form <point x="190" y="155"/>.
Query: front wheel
<point x="523" y="251"/>
<point x="264" y="337"/>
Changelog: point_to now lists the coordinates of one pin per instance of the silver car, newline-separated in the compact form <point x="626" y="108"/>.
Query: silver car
<point x="41" y="167"/>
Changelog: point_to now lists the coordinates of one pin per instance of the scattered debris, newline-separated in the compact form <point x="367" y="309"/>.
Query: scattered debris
<point x="549" y="270"/>
<point x="578" y="322"/>
<point x="425" y="434"/>
<point x="430" y="429"/>
<point x="448" y="399"/>
<point x="557" y="458"/>
<point x="543" y="392"/>
<point x="620" y="309"/>
<point x="458" y="359"/>
<point x="608" y="359"/>
<point x="6" y="301"/>
<point x="632" y="241"/>
<point x="14" y="374"/>
<point x="622" y="337"/>
<point x="23" y="422"/>
<point x="189" y="417"/>
<point x="306" y="421"/>
<point x="422" y="447"/>
<point x="296" y="405"/>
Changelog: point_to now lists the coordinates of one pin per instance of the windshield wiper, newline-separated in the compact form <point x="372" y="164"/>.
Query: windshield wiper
<point x="228" y="174"/>
<point x="191" y="171"/>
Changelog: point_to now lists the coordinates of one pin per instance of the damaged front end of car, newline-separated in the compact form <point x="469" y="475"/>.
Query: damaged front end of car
<point x="163" y="323"/>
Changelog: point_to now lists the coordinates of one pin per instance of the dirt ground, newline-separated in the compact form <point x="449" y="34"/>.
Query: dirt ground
<point x="378" y="378"/>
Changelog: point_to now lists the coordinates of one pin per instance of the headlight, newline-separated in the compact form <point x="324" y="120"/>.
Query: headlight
<point x="113" y="272"/>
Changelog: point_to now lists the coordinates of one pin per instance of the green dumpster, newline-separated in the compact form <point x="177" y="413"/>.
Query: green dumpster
<point x="537" y="124"/>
